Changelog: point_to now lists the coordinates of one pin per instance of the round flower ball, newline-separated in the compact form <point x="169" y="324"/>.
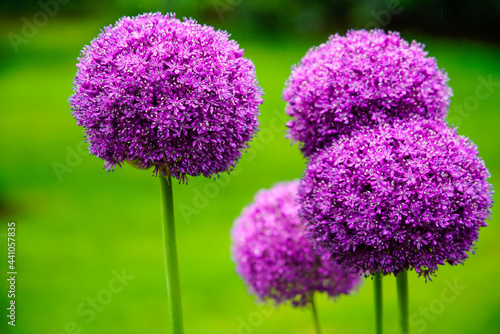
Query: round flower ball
<point x="164" y="93"/>
<point x="274" y="256"/>
<point x="408" y="196"/>
<point x="365" y="78"/>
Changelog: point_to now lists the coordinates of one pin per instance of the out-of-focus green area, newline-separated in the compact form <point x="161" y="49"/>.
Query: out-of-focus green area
<point x="79" y="228"/>
<point x="472" y="19"/>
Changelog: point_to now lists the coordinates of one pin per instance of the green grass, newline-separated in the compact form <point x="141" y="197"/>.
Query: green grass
<point x="72" y="234"/>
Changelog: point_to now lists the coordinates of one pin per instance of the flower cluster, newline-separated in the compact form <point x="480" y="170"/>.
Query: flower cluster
<point x="410" y="195"/>
<point x="389" y="186"/>
<point x="363" y="79"/>
<point x="165" y="93"/>
<point x="274" y="256"/>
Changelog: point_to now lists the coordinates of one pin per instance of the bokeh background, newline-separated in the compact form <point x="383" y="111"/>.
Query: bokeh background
<point x="79" y="227"/>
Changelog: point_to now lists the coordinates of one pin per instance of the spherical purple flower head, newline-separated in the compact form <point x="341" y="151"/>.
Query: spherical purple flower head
<point x="408" y="196"/>
<point x="366" y="78"/>
<point x="166" y="93"/>
<point x="274" y="256"/>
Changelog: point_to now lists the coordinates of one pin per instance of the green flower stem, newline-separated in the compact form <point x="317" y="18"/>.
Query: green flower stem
<point x="315" y="314"/>
<point x="402" y="287"/>
<point x="171" y="265"/>
<point x="377" y="284"/>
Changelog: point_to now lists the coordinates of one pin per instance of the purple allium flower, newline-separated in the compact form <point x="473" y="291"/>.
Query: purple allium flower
<point x="166" y="93"/>
<point x="411" y="195"/>
<point x="365" y="78"/>
<point x="274" y="256"/>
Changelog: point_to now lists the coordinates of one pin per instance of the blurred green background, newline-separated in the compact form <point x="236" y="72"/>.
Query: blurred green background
<point x="78" y="227"/>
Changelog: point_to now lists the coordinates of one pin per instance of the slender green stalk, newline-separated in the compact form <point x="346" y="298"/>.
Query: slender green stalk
<point x="171" y="265"/>
<point x="315" y="314"/>
<point x="377" y="284"/>
<point x="402" y="287"/>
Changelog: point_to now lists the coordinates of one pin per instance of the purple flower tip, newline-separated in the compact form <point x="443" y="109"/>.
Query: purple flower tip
<point x="274" y="256"/>
<point x="411" y="195"/>
<point x="165" y="93"/>
<point x="364" y="78"/>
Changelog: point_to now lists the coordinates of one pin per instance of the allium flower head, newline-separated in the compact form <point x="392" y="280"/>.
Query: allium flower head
<point x="364" y="78"/>
<point x="274" y="256"/>
<point x="411" y="195"/>
<point x="165" y="93"/>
